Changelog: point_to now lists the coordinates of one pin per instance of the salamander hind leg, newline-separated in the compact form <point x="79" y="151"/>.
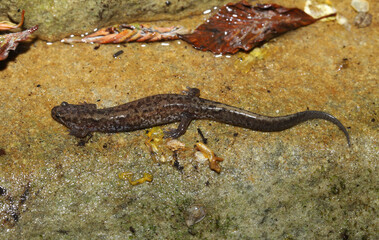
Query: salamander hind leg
<point x="84" y="136"/>
<point x="193" y="92"/>
<point x="79" y="133"/>
<point x="82" y="141"/>
<point x="182" y="128"/>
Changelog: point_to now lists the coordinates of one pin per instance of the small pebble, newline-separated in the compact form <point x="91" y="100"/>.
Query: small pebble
<point x="195" y="213"/>
<point x="363" y="19"/>
<point x="360" y="5"/>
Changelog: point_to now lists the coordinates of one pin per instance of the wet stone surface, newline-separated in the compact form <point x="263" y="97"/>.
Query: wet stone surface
<point x="302" y="183"/>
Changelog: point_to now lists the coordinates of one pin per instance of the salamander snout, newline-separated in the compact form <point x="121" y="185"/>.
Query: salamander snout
<point x="55" y="114"/>
<point x="59" y="112"/>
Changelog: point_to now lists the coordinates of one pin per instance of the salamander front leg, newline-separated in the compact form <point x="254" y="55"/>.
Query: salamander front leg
<point x="182" y="128"/>
<point x="193" y="92"/>
<point x="84" y="136"/>
<point x="82" y="141"/>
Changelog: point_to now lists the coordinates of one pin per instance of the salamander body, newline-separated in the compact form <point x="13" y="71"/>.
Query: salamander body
<point x="83" y="119"/>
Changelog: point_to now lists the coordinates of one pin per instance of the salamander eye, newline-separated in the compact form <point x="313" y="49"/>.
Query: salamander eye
<point x="55" y="114"/>
<point x="64" y="104"/>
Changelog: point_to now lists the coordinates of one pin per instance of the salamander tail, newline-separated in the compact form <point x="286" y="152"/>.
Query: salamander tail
<point x="309" y="115"/>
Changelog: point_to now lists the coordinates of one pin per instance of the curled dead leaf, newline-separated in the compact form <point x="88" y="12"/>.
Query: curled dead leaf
<point x="124" y="33"/>
<point x="10" y="41"/>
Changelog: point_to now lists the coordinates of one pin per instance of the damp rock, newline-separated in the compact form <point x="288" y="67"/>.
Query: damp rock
<point x="360" y="5"/>
<point x="363" y="19"/>
<point x="195" y="213"/>
<point x="59" y="19"/>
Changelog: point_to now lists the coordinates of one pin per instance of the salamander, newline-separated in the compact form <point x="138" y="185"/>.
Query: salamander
<point x="84" y="119"/>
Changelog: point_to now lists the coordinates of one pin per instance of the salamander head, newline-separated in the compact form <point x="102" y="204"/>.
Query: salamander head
<point x="63" y="113"/>
<point x="69" y="114"/>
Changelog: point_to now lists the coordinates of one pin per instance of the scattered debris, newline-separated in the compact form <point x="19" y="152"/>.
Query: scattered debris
<point x="177" y="165"/>
<point x="200" y="158"/>
<point x="243" y="26"/>
<point x="11" y="208"/>
<point x="162" y="150"/>
<point x="10" y="41"/>
<point x="118" y="53"/>
<point x="363" y="19"/>
<point x="5" y="25"/>
<point x="246" y="61"/>
<point x="210" y="155"/>
<point x="3" y="191"/>
<point x="175" y="145"/>
<point x="195" y="213"/>
<point x="360" y="5"/>
<point x="344" y="64"/>
<point x="341" y="20"/>
<point x="236" y="26"/>
<point x="319" y="8"/>
<point x="124" y="33"/>
<point x="129" y="176"/>
<point x="205" y="140"/>
<point x="154" y="142"/>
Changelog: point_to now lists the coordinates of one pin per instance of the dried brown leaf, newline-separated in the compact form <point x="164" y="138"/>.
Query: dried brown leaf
<point x="242" y="26"/>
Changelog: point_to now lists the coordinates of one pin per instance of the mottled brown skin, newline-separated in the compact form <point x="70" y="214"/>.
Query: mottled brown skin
<point x="162" y="109"/>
